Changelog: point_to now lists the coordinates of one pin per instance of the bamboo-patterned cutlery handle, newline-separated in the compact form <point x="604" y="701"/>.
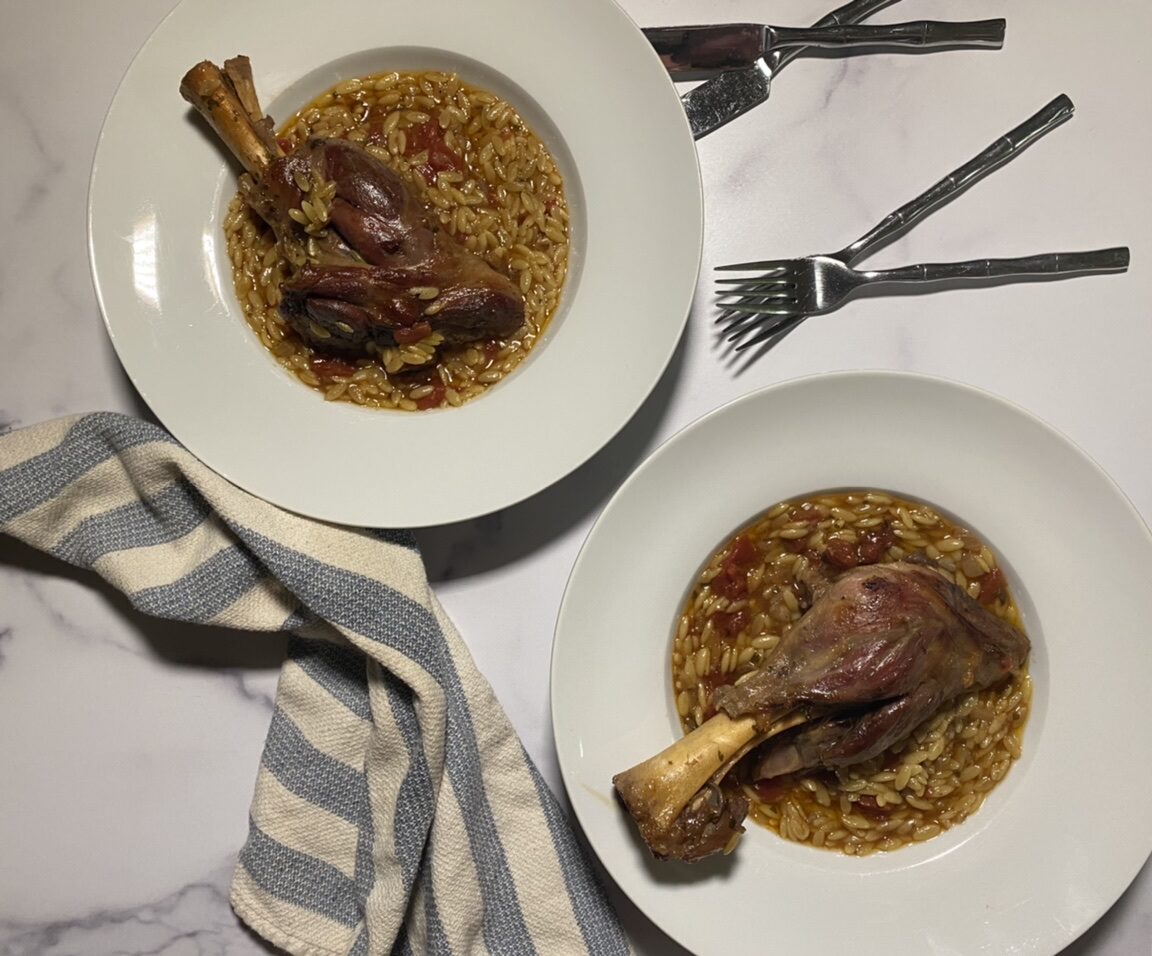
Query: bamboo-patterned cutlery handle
<point x="1005" y="148"/>
<point x="1047" y="264"/>
<point x="920" y="33"/>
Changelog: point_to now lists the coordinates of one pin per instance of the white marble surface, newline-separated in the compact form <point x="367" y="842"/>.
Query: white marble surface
<point x="128" y="746"/>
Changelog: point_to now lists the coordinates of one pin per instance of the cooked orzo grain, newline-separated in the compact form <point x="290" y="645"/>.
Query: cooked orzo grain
<point x="755" y="588"/>
<point x="492" y="184"/>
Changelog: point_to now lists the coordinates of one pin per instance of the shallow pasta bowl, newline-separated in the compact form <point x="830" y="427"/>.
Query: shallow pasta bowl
<point x="1051" y="848"/>
<point x="161" y="185"/>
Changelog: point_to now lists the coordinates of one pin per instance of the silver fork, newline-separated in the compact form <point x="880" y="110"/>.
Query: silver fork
<point x="823" y="283"/>
<point x="788" y="290"/>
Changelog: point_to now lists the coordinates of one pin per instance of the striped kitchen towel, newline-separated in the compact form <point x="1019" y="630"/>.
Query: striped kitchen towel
<point x="396" y="810"/>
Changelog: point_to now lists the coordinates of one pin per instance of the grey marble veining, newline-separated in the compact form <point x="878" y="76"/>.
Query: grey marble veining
<point x="193" y="920"/>
<point x="220" y="654"/>
<point x="128" y="747"/>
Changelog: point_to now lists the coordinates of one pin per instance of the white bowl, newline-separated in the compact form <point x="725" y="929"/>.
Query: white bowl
<point x="1057" y="841"/>
<point x="581" y="74"/>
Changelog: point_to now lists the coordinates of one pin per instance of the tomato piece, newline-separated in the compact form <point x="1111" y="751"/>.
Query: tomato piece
<point x="992" y="586"/>
<point x="328" y="366"/>
<point x="870" y="548"/>
<point x="875" y="544"/>
<point x="729" y="624"/>
<point x="432" y="400"/>
<point x="407" y="334"/>
<point x="841" y="554"/>
<point x="867" y="806"/>
<point x="428" y="136"/>
<point x="774" y="788"/>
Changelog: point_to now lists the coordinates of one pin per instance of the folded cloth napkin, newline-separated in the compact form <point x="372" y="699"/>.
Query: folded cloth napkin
<point x="396" y="810"/>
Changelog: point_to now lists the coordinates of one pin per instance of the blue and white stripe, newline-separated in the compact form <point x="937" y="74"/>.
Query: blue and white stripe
<point x="395" y="809"/>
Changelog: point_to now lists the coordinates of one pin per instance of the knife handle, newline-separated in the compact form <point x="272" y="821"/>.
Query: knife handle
<point x="919" y="33"/>
<point x="706" y="49"/>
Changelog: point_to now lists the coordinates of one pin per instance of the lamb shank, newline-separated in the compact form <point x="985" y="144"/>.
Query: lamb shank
<point x="882" y="648"/>
<point x="370" y="268"/>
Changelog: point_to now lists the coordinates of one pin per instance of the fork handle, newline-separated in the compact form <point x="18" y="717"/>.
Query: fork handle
<point x="1005" y="148"/>
<point x="1048" y="264"/>
<point x="920" y="33"/>
<point x="852" y="12"/>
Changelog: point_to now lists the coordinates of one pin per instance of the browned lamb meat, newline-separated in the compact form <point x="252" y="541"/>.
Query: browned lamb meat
<point x="370" y="265"/>
<point x="881" y="649"/>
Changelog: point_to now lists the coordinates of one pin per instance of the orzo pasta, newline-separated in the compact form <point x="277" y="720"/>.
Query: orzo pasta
<point x="755" y="588"/>
<point x="490" y="182"/>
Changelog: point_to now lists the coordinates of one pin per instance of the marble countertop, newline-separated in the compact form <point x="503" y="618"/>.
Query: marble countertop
<point x="130" y="746"/>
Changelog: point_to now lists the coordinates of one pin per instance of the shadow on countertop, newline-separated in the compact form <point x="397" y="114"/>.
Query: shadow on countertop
<point x="450" y="551"/>
<point x="178" y="643"/>
<point x="483" y="544"/>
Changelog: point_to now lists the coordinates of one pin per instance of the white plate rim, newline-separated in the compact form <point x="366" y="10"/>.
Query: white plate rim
<point x="1059" y="900"/>
<point x="530" y="431"/>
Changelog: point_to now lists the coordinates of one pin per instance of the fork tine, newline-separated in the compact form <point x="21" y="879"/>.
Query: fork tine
<point x="757" y="305"/>
<point x="770" y="331"/>
<point x="759" y="275"/>
<point x="746" y="325"/>
<point x="759" y="309"/>
<point x="750" y="286"/>
<point x="765" y="325"/>
<point x="758" y="290"/>
<point x="737" y="320"/>
<point x="779" y="275"/>
<point x="763" y="265"/>
<point x="756" y="301"/>
<point x="738" y="323"/>
<point x="733" y="320"/>
<point x="761" y="298"/>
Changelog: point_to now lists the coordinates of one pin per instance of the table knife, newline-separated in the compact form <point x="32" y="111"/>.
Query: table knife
<point x="698" y="52"/>
<point x="718" y="101"/>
